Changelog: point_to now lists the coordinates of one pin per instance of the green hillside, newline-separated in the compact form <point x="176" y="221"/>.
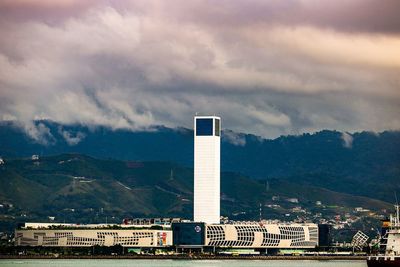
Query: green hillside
<point x="367" y="166"/>
<point x="78" y="188"/>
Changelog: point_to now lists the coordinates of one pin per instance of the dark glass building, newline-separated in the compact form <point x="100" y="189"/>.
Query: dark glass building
<point x="188" y="234"/>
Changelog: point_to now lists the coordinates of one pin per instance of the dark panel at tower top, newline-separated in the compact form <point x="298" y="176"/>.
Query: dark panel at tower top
<point x="204" y="127"/>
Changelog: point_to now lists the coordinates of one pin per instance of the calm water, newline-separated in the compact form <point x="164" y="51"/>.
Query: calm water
<point x="180" y="263"/>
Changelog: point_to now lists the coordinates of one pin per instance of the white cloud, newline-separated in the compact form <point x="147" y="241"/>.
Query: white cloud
<point x="236" y="139"/>
<point x="40" y="133"/>
<point x="72" y="139"/>
<point x="347" y="140"/>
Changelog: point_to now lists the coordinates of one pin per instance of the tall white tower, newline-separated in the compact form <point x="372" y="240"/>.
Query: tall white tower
<point x="207" y="132"/>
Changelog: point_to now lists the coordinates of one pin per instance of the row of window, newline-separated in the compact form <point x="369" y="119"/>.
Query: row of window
<point x="303" y="244"/>
<point x="229" y="243"/>
<point x="86" y="241"/>
<point x="246" y="236"/>
<point x="63" y="234"/>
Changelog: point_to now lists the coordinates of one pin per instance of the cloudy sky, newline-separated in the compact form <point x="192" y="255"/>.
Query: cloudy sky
<point x="267" y="67"/>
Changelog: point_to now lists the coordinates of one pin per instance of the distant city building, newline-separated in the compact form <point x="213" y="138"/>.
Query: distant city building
<point x="361" y="209"/>
<point x="207" y="132"/>
<point x="292" y="200"/>
<point x="150" y="221"/>
<point x="298" y="209"/>
<point x="275" y="198"/>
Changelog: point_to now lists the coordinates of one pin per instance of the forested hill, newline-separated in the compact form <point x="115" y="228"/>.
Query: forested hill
<point x="366" y="164"/>
<point x="79" y="188"/>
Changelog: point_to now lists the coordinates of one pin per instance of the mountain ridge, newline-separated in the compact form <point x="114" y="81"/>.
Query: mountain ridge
<point x="364" y="164"/>
<point x="74" y="181"/>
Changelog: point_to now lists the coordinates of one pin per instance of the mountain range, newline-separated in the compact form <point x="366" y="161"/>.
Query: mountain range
<point x="96" y="174"/>
<point x="82" y="189"/>
<point x="363" y="164"/>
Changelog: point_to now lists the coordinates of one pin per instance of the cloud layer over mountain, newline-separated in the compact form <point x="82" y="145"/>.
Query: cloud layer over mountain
<point x="267" y="67"/>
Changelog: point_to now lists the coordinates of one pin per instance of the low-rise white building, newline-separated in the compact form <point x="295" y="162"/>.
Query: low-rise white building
<point x="261" y="236"/>
<point x="246" y="235"/>
<point x="84" y="236"/>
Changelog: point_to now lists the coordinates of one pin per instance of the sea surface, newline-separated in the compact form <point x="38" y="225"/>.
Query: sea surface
<point x="180" y="263"/>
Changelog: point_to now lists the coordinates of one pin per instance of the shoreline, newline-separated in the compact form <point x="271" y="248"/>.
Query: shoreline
<point x="187" y="257"/>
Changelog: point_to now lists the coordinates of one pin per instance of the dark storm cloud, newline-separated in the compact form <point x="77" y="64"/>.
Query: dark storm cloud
<point x="267" y="67"/>
<point x="342" y="15"/>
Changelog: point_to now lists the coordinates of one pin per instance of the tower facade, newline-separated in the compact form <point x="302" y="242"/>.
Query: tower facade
<point x="207" y="147"/>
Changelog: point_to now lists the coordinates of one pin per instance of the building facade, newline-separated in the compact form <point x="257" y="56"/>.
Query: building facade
<point x="93" y="237"/>
<point x="262" y="236"/>
<point x="247" y="235"/>
<point x="190" y="234"/>
<point x="207" y="132"/>
<point x="182" y="234"/>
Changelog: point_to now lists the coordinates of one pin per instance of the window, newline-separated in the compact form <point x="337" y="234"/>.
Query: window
<point x="204" y="127"/>
<point x="217" y="127"/>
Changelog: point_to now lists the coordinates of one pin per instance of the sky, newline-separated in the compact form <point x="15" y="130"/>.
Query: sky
<point x="268" y="67"/>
